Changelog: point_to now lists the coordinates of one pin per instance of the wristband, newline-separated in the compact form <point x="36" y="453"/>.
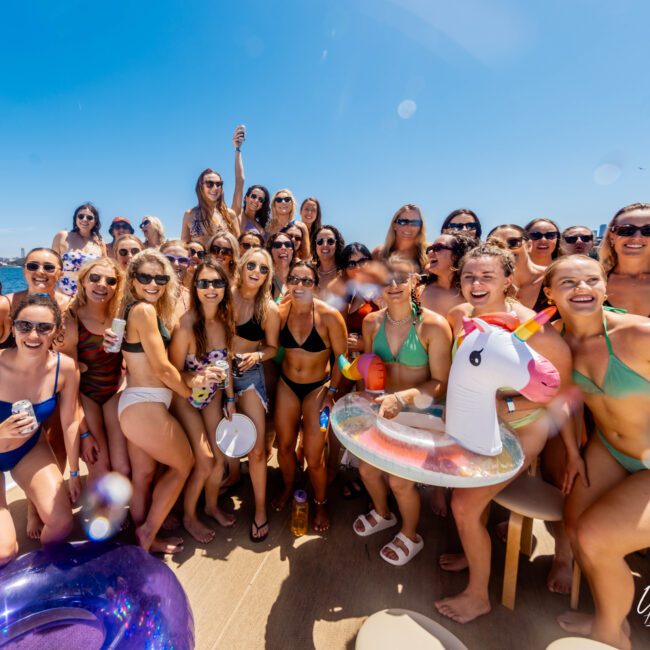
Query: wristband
<point x="238" y="149"/>
<point x="85" y="434"/>
<point x="333" y="389"/>
<point x="231" y="400"/>
<point x="510" y="404"/>
<point x="261" y="356"/>
<point x="74" y="474"/>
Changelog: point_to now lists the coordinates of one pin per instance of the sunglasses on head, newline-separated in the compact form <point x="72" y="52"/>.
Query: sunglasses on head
<point x="48" y="267"/>
<point x="211" y="184"/>
<point x="353" y="264"/>
<point x="401" y="221"/>
<point x="629" y="230"/>
<point x="220" y="250"/>
<point x="295" y="280"/>
<point x="256" y="197"/>
<point x="282" y="199"/>
<point x="436" y="248"/>
<point x="123" y="252"/>
<point x="182" y="260"/>
<point x="146" y="222"/>
<point x="96" y="278"/>
<point x="217" y="283"/>
<point x="396" y="278"/>
<point x="26" y="326"/>
<point x="86" y="217"/>
<point x="246" y="245"/>
<point x="251" y="266"/>
<point x="463" y="226"/>
<point x="195" y="252"/>
<point x="536" y="235"/>
<point x="282" y="244"/>
<point x="147" y="278"/>
<point x="330" y="241"/>
<point x="572" y="239"/>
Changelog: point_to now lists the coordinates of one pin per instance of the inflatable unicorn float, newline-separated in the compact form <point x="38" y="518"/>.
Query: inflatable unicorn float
<point x="462" y="444"/>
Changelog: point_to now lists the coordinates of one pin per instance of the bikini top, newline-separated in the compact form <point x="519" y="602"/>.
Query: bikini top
<point x="137" y="347"/>
<point x="411" y="352"/>
<point x="313" y="343"/>
<point x="355" y="318"/>
<point x="43" y="409"/>
<point x="251" y="330"/>
<point x="10" y="341"/>
<point x="620" y="380"/>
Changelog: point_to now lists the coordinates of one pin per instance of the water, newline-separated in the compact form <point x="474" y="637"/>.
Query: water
<point x="12" y="279"/>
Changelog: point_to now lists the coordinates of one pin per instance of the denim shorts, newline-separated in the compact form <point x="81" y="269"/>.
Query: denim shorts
<point x="252" y="378"/>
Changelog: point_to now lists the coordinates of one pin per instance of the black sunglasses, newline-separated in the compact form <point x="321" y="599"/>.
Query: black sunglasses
<point x="436" y="248"/>
<point x="401" y="221"/>
<point x="629" y="230"/>
<point x="251" y="266"/>
<point x="85" y="217"/>
<point x="572" y="239"/>
<point x="294" y="281"/>
<point x="146" y="222"/>
<point x="330" y="241"/>
<point x="182" y="260"/>
<point x="48" y="267"/>
<point x="295" y="237"/>
<point x="462" y="226"/>
<point x="220" y="250"/>
<point x="514" y="242"/>
<point x="282" y="244"/>
<point x="96" y="278"/>
<point x="256" y="197"/>
<point x="211" y="184"/>
<point x="283" y="199"/>
<point x="146" y="278"/>
<point x="248" y="245"/>
<point x="217" y="283"/>
<point x="536" y="235"/>
<point x="353" y="264"/>
<point x="195" y="252"/>
<point x="126" y="251"/>
<point x="26" y="326"/>
<point x="120" y="225"/>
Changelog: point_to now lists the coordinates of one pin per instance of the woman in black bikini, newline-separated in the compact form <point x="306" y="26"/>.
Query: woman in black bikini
<point x="303" y="390"/>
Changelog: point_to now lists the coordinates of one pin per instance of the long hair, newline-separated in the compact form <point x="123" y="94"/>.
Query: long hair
<point x="81" y="298"/>
<point x="165" y="305"/>
<point x="350" y="250"/>
<point x="204" y="209"/>
<point x="319" y="215"/>
<point x="263" y="295"/>
<point x="529" y="226"/>
<point x="456" y="213"/>
<point x="304" y="252"/>
<point x="263" y="213"/>
<point x="606" y="253"/>
<point x="460" y="245"/>
<point x="339" y="246"/>
<point x="158" y="228"/>
<point x="274" y="224"/>
<point x="225" y="310"/>
<point x="420" y="241"/>
<point x="97" y="238"/>
<point x="234" y="244"/>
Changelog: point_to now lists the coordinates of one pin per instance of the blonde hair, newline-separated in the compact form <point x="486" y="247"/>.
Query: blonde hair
<point x="263" y="295"/>
<point x="551" y="269"/>
<point x="165" y="305"/>
<point x="234" y="244"/>
<point x="606" y="253"/>
<point x="420" y="242"/>
<point x="172" y="243"/>
<point x="274" y="224"/>
<point x="81" y="299"/>
<point x="158" y="228"/>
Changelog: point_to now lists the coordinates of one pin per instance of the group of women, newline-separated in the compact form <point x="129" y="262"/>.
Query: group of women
<point x="279" y="299"/>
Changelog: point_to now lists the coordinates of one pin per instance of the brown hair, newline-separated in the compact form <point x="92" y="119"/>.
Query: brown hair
<point x="498" y="251"/>
<point x="606" y="253"/>
<point x="203" y="208"/>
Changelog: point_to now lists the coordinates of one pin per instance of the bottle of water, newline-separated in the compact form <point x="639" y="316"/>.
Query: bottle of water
<point x="299" y="513"/>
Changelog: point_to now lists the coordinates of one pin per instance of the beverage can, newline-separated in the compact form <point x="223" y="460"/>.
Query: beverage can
<point x="324" y="419"/>
<point x="25" y="406"/>
<point x="222" y="364"/>
<point x="119" y="327"/>
<point x="236" y="360"/>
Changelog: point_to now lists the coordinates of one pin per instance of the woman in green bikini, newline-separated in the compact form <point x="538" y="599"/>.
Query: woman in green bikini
<point x="420" y="364"/>
<point x="609" y="518"/>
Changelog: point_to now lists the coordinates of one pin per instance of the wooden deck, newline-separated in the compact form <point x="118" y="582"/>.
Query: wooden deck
<point x="315" y="592"/>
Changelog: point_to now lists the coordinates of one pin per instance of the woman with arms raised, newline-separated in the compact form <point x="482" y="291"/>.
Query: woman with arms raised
<point x="152" y="231"/>
<point x="31" y="371"/>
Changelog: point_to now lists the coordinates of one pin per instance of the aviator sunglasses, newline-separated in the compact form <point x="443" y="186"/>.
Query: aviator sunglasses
<point x="251" y="266"/>
<point x="26" y="326"/>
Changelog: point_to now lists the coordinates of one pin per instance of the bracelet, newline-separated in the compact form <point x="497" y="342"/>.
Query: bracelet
<point x="238" y="149"/>
<point x="400" y="400"/>
<point x="261" y="356"/>
<point x="231" y="400"/>
<point x="85" y="434"/>
<point x="510" y="404"/>
<point x="74" y="473"/>
<point x="333" y="389"/>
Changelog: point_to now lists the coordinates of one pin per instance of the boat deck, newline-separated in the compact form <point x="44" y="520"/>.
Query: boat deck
<point x="316" y="592"/>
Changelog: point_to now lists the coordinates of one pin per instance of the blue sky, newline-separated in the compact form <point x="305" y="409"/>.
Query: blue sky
<point x="522" y="109"/>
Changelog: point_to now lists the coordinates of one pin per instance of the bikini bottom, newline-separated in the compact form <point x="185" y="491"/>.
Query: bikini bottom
<point x="302" y="390"/>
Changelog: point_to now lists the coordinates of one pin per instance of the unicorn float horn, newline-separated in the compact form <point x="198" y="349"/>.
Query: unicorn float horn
<point x="534" y="324"/>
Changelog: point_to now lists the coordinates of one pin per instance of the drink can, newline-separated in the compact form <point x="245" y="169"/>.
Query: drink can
<point x="236" y="360"/>
<point x="324" y="419"/>
<point x="25" y="406"/>
<point x="118" y="326"/>
<point x="222" y="364"/>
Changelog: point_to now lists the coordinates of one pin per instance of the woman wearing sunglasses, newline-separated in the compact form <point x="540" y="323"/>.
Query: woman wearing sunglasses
<point x="407" y="236"/>
<point x="152" y="231"/>
<point x="310" y="214"/>
<point x="211" y="213"/>
<point x="255" y="210"/>
<point x="126" y="247"/>
<point x="577" y="240"/>
<point x="327" y="246"/>
<point x="311" y="332"/>
<point x="299" y="234"/>
<point x="31" y="371"/>
<point x="442" y="292"/>
<point x="528" y="276"/>
<point x="487" y="283"/>
<point x="250" y="239"/>
<point x="256" y="340"/>
<point x="283" y="208"/>
<point x="625" y="254"/>
<point x="154" y="436"/>
<point x="545" y="237"/>
<point x="83" y="242"/>
<point x="224" y="248"/>
<point x="204" y="336"/>
<point x="608" y="518"/>
<point x="281" y="248"/>
<point x="90" y="314"/>
<point x="178" y="254"/>
<point x="119" y="226"/>
<point x="462" y="221"/>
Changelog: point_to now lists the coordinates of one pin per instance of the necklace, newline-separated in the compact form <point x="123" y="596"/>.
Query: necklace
<point x="398" y="322"/>
<point x="327" y="273"/>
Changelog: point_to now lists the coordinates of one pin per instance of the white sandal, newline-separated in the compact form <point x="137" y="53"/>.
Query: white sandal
<point x="381" y="523"/>
<point x="402" y="558"/>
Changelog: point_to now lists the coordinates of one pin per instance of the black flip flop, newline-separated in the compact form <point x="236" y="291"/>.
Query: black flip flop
<point x="254" y="539"/>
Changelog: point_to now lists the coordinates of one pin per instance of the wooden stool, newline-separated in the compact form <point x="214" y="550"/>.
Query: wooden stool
<point x="529" y="497"/>
<point x="578" y="643"/>
<point x="402" y="628"/>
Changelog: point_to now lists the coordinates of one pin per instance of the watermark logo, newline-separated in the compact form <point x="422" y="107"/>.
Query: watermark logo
<point x="643" y="606"/>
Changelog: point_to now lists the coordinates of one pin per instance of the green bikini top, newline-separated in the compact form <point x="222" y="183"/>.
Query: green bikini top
<point x="620" y="380"/>
<point x="411" y="353"/>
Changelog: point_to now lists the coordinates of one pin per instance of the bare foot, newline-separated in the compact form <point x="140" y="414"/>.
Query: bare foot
<point x="34" y="523"/>
<point x="198" y="530"/>
<point x="463" y="608"/>
<point x="453" y="562"/>
<point x="281" y="500"/>
<point x="321" y="518"/>
<point x="172" y="522"/>
<point x="169" y="546"/>
<point x="501" y="531"/>
<point x="223" y="518"/>
<point x="560" y="575"/>
<point x="576" y="622"/>
<point x="439" y="501"/>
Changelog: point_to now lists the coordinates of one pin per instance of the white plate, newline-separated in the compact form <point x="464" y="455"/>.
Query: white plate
<point x="236" y="437"/>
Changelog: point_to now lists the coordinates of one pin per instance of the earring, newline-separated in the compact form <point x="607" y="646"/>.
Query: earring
<point x="550" y="301"/>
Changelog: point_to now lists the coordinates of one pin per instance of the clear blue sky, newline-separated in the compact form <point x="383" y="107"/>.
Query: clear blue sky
<point x="522" y="109"/>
